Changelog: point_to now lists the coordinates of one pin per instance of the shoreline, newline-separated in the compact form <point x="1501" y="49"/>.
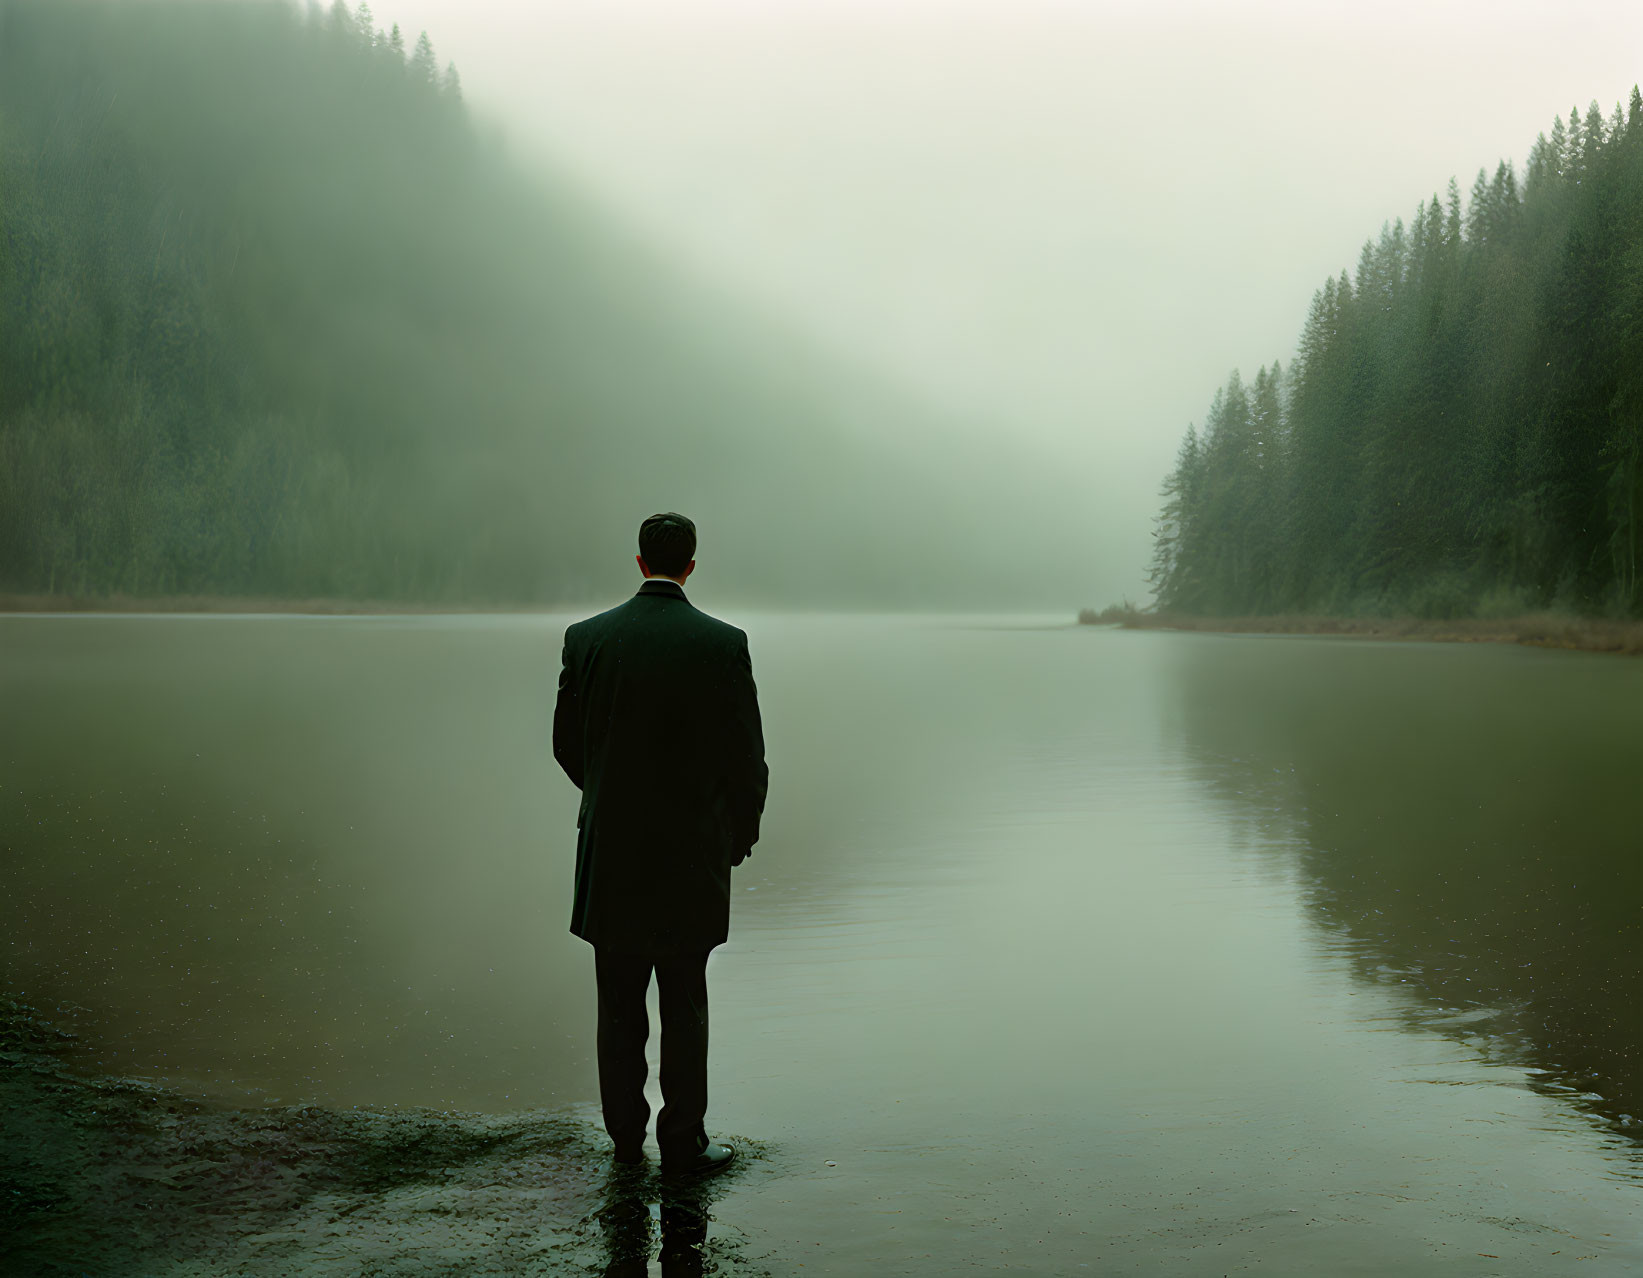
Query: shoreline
<point x="117" y="1176"/>
<point x="1535" y="630"/>
<point x="255" y="604"/>
<point x="23" y="605"/>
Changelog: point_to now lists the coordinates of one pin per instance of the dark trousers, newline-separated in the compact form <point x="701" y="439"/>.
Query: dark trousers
<point x="681" y="989"/>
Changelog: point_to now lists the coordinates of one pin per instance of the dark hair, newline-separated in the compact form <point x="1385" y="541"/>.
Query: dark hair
<point x="667" y="542"/>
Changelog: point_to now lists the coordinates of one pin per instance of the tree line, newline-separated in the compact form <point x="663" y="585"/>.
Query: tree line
<point x="1460" y="431"/>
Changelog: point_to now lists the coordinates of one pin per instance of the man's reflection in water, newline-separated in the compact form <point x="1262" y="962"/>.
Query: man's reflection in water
<point x="628" y="1226"/>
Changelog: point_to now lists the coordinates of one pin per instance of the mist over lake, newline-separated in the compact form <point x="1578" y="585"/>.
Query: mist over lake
<point x="1061" y="944"/>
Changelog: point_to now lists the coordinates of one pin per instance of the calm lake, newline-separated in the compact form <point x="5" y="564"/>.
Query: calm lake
<point x="1065" y="949"/>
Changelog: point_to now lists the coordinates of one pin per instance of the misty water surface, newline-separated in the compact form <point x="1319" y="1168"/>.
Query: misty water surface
<point x="1063" y="947"/>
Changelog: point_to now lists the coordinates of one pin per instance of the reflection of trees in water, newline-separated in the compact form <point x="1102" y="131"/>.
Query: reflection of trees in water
<point x="1466" y="825"/>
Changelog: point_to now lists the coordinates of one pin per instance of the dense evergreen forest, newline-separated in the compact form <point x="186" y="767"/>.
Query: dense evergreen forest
<point x="1461" y="429"/>
<point x="279" y="318"/>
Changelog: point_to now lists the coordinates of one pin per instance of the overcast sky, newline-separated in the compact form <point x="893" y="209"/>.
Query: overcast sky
<point x="1068" y="221"/>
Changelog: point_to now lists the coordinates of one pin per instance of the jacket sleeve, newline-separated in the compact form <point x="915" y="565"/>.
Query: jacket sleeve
<point x="567" y="716"/>
<point x="749" y="776"/>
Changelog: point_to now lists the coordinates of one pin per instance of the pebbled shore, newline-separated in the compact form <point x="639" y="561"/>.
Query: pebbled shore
<point x="106" y="1177"/>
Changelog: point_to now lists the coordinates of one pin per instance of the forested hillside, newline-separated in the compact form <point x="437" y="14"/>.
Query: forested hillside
<point x="278" y="318"/>
<point x="1461" y="429"/>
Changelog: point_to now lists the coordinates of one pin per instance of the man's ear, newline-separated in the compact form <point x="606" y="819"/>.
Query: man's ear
<point x="689" y="568"/>
<point x="640" y="560"/>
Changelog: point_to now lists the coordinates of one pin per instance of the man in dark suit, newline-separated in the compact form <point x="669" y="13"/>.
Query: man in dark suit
<point x="657" y="723"/>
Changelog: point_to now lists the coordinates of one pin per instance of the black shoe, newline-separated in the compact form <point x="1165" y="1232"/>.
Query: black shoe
<point x="715" y="1158"/>
<point x="629" y="1155"/>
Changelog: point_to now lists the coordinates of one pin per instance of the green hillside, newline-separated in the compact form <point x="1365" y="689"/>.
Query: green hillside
<point x="277" y="318"/>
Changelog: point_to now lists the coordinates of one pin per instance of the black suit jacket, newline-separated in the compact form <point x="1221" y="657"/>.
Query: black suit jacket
<point x="657" y="723"/>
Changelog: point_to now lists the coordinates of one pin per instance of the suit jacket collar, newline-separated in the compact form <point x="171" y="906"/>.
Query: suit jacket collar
<point x="662" y="586"/>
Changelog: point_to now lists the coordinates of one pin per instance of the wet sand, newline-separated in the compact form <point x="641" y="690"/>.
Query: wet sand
<point x="116" y="1176"/>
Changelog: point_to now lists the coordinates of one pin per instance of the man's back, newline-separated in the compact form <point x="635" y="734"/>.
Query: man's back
<point x="657" y="721"/>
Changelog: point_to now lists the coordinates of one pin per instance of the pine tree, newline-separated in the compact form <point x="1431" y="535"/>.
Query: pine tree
<point x="1503" y="202"/>
<point x="423" y="66"/>
<point x="396" y="45"/>
<point x="451" y="85"/>
<point x="1477" y="212"/>
<point x="1433" y="262"/>
<point x="1365" y="275"/>
<point x="1168" y="575"/>
<point x="1559" y="143"/>
<point x="1267" y="458"/>
<point x="1542" y="165"/>
<point x="1592" y="143"/>
<point x="1419" y="250"/>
